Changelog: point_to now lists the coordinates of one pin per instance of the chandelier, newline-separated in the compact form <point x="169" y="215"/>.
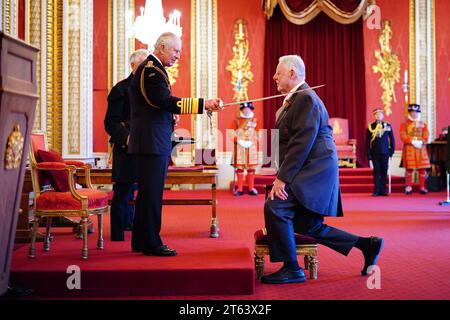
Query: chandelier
<point x="151" y="23"/>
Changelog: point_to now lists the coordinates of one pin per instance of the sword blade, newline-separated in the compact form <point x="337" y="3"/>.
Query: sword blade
<point x="228" y="104"/>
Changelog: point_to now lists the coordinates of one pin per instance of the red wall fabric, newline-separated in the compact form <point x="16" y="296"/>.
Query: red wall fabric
<point x="442" y="65"/>
<point x="334" y="55"/>
<point x="227" y="15"/>
<point x="100" y="74"/>
<point x="398" y="13"/>
<point x="21" y="16"/>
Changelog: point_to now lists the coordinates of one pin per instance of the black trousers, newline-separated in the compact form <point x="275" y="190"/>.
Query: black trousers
<point x="380" y="168"/>
<point x="147" y="219"/>
<point x="283" y="218"/>
<point x="121" y="212"/>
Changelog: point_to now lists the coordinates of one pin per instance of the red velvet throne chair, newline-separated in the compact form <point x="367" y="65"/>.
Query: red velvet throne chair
<point x="63" y="199"/>
<point x="346" y="148"/>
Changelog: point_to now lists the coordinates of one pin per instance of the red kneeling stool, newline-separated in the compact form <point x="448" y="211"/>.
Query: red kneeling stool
<point x="305" y="246"/>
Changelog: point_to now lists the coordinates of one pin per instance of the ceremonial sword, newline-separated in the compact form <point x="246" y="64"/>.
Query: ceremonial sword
<point x="223" y="105"/>
<point x="228" y="104"/>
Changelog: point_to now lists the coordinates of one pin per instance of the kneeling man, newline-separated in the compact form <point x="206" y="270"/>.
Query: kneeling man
<point x="307" y="185"/>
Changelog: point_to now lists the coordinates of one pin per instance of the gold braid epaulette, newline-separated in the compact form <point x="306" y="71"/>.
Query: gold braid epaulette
<point x="378" y="127"/>
<point x="147" y="66"/>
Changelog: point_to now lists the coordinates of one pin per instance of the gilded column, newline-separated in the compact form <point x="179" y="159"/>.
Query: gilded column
<point x="422" y="38"/>
<point x="9" y="18"/>
<point x="53" y="64"/>
<point x="43" y="29"/>
<point x="77" y="79"/>
<point x="122" y="38"/>
<point x="119" y="41"/>
<point x="35" y="29"/>
<point x="2" y="29"/>
<point x="204" y="68"/>
<point x="129" y="37"/>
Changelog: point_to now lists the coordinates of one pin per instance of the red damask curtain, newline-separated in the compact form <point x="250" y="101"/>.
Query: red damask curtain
<point x="344" y="5"/>
<point x="333" y="54"/>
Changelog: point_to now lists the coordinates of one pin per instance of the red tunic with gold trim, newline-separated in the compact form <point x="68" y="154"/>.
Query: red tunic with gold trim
<point x="246" y="144"/>
<point x="414" y="132"/>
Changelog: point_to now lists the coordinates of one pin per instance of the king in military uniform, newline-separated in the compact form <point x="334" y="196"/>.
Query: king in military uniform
<point x="246" y="149"/>
<point x="380" y="146"/>
<point x="152" y="124"/>
<point x="414" y="134"/>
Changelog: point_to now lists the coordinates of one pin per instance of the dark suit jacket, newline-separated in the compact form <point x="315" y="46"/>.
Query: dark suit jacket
<point x="307" y="154"/>
<point x="117" y="125"/>
<point x="152" y="109"/>
<point x="383" y="145"/>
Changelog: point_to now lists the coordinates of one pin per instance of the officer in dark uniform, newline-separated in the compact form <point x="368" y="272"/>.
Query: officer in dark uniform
<point x="124" y="167"/>
<point x="380" y="146"/>
<point x="152" y="109"/>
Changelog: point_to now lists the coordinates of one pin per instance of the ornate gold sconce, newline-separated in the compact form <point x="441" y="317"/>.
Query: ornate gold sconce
<point x="388" y="65"/>
<point x="14" y="149"/>
<point x="240" y="65"/>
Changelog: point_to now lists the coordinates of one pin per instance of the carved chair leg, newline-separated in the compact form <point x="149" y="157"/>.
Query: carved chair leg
<point x="313" y="267"/>
<point x="47" y="234"/>
<point x="259" y="265"/>
<point x="100" y="231"/>
<point x="306" y="259"/>
<point x="34" y="231"/>
<point x="84" y="227"/>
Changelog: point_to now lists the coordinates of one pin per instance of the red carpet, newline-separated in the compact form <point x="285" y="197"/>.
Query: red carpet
<point x="414" y="263"/>
<point x="203" y="265"/>
<point x="359" y="180"/>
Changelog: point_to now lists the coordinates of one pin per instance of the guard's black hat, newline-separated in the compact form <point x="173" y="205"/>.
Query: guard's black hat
<point x="413" y="107"/>
<point x="247" y="105"/>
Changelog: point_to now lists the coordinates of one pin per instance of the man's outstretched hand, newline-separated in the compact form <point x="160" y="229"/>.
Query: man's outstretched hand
<point x="213" y="104"/>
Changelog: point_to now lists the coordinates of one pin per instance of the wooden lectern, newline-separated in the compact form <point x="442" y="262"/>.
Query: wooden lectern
<point x="18" y="97"/>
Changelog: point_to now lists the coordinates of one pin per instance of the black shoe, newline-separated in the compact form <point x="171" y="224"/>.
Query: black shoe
<point x="375" y="194"/>
<point x="238" y="193"/>
<point x="372" y="254"/>
<point x="384" y="194"/>
<point x="423" y="191"/>
<point x="163" y="251"/>
<point x="285" y="276"/>
<point x="253" y="192"/>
